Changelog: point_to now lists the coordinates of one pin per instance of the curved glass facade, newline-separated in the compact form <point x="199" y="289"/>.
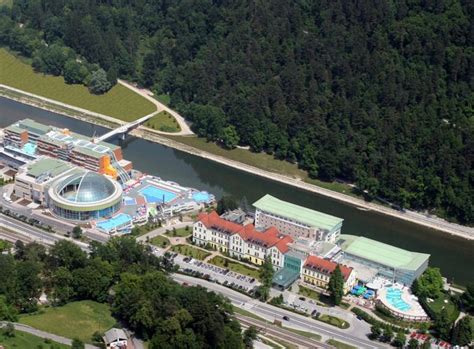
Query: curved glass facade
<point x="84" y="215"/>
<point x="85" y="187"/>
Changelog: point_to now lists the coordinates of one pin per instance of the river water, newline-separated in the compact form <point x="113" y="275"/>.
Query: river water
<point x="455" y="256"/>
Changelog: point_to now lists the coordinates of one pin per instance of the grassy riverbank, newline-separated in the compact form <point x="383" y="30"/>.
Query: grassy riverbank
<point x="23" y="340"/>
<point x="119" y="102"/>
<point x="262" y="161"/>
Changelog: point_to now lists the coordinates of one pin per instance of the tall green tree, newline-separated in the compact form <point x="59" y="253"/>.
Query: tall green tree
<point x="429" y="284"/>
<point x="443" y="324"/>
<point x="463" y="333"/>
<point x="336" y="286"/>
<point x="99" y="83"/>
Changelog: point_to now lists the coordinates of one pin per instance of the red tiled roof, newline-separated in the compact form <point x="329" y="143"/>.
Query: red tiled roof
<point x="268" y="238"/>
<point x="212" y="220"/>
<point x="326" y="267"/>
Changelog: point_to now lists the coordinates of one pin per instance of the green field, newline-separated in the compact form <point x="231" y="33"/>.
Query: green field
<point x="335" y="321"/>
<point x="119" y="102"/>
<point x="340" y="345"/>
<point x="235" y="266"/>
<point x="163" y="121"/>
<point x="444" y="301"/>
<point x="160" y="241"/>
<point x="190" y="251"/>
<point x="23" y="340"/>
<point x="181" y="232"/>
<point x="7" y="3"/>
<point x="263" y="161"/>
<point x="74" y="320"/>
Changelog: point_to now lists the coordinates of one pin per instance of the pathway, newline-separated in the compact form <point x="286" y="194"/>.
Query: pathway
<point x="46" y="335"/>
<point x="185" y="130"/>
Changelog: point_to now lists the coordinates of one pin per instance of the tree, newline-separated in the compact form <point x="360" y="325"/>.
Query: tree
<point x="387" y="334"/>
<point x="413" y="344"/>
<point x="467" y="298"/>
<point x="400" y="340"/>
<point x="230" y="137"/>
<point x="430" y="283"/>
<point x="7" y="312"/>
<point x="9" y="330"/>
<point x="99" y="83"/>
<point x="62" y="286"/>
<point x="74" y="72"/>
<point x="462" y="332"/>
<point x="66" y="254"/>
<point x="336" y="286"/>
<point x="77" y="232"/>
<point x="226" y="203"/>
<point x="250" y="334"/>
<point x="375" y="332"/>
<point x="77" y="344"/>
<point x="442" y="324"/>
<point x="266" y="277"/>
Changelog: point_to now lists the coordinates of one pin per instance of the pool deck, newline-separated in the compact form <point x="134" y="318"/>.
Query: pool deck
<point x="415" y="310"/>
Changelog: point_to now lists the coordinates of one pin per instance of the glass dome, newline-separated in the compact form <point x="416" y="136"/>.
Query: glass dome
<point x="86" y="187"/>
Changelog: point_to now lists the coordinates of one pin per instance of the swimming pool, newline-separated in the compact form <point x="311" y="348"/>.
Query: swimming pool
<point x="129" y="201"/>
<point x="114" y="222"/>
<point x="202" y="196"/>
<point x="157" y="195"/>
<point x="394" y="297"/>
<point x="29" y="148"/>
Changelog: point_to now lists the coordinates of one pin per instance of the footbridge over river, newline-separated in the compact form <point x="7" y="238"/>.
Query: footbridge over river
<point x="124" y="128"/>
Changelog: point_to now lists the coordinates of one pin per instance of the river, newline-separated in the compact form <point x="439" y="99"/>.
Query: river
<point x="453" y="255"/>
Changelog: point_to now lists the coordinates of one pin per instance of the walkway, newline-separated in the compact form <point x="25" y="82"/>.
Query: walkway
<point x="46" y="335"/>
<point x="185" y="130"/>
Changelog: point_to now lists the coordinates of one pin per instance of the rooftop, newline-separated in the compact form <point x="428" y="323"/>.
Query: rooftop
<point x="381" y="253"/>
<point x="114" y="334"/>
<point x="45" y="165"/>
<point x="32" y="126"/>
<point x="326" y="267"/>
<point x="301" y="214"/>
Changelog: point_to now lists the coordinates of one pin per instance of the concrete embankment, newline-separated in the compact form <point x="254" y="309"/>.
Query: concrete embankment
<point x="155" y="136"/>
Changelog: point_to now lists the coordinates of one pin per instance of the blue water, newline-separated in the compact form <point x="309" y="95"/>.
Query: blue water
<point x="114" y="222"/>
<point x="394" y="297"/>
<point x="155" y="195"/>
<point x="29" y="148"/>
<point x="201" y="196"/>
<point x="129" y="201"/>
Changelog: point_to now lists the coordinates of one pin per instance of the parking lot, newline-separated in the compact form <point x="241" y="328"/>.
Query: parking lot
<point x="211" y="272"/>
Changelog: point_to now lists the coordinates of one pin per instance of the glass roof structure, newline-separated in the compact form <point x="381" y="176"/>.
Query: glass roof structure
<point x="86" y="187"/>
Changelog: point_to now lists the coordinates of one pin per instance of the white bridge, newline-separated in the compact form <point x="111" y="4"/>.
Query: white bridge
<point x="124" y="128"/>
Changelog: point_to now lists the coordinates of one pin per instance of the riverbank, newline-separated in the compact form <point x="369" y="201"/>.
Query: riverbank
<point x="155" y="136"/>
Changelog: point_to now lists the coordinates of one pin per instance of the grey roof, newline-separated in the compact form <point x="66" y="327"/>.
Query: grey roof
<point x="114" y="334"/>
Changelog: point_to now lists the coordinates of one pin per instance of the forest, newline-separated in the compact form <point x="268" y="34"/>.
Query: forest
<point x="128" y="277"/>
<point x="376" y="93"/>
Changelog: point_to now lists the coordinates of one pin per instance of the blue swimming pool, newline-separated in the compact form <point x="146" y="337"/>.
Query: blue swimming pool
<point x="29" y="148"/>
<point x="394" y="297"/>
<point x="114" y="222"/>
<point x="157" y="195"/>
<point x="129" y="201"/>
<point x="202" y="196"/>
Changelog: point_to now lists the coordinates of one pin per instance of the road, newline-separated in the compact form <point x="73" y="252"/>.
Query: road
<point x="356" y="335"/>
<point x="46" y="335"/>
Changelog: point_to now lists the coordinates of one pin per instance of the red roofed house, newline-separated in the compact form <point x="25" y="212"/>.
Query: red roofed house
<point x="243" y="242"/>
<point x="317" y="271"/>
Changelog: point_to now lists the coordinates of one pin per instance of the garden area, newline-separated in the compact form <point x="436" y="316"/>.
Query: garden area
<point x="23" y="340"/>
<point x="235" y="266"/>
<point x="160" y="241"/>
<point x="190" y="251"/>
<point x="334" y="321"/>
<point x="74" y="320"/>
<point x="181" y="232"/>
<point x="163" y="121"/>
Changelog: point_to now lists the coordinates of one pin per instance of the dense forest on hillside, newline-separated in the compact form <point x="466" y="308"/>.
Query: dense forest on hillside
<point x="375" y="92"/>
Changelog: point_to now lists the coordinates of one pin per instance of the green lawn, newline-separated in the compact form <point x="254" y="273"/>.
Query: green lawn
<point x="235" y="266"/>
<point x="340" y="345"/>
<point x="444" y="300"/>
<point x="164" y="98"/>
<point x="310" y="335"/>
<point x="119" y="102"/>
<point x="163" y="121"/>
<point x="320" y="298"/>
<point x="262" y="161"/>
<point x="23" y="340"/>
<point x="160" y="241"/>
<point x="181" y="232"/>
<point x="247" y="313"/>
<point x="74" y="320"/>
<point x="335" y="321"/>
<point x="190" y="251"/>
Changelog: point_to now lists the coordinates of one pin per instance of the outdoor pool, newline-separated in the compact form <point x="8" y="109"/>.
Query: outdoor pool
<point x="29" y="148"/>
<point x="202" y="196"/>
<point x="394" y="297"/>
<point x="114" y="222"/>
<point x="157" y="195"/>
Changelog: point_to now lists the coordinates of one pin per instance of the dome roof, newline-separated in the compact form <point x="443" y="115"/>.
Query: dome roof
<point x="86" y="187"/>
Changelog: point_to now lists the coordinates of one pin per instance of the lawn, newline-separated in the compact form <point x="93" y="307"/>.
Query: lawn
<point x="23" y="340"/>
<point x="340" y="345"/>
<point x="444" y="300"/>
<point x="163" y="121"/>
<point x="334" y="321"/>
<point x="74" y="320"/>
<point x="190" y="251"/>
<point x="181" y="232"/>
<point x="160" y="241"/>
<point x="164" y="98"/>
<point x="320" y="298"/>
<point x="235" y="266"/>
<point x="119" y="102"/>
<point x="263" y="161"/>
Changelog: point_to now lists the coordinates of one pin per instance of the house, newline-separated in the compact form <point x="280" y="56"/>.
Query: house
<point x="317" y="271"/>
<point x="115" y="338"/>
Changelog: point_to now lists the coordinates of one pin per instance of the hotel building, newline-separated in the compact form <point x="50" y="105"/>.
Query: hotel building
<point x="317" y="272"/>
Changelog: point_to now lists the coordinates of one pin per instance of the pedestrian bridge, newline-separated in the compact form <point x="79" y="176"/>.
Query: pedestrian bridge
<point x="124" y="128"/>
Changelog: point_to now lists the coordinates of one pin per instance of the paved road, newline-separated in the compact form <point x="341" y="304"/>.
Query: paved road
<point x="46" y="335"/>
<point x="355" y="336"/>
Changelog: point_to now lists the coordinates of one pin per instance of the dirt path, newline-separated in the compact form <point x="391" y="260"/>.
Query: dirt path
<point x="185" y="130"/>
